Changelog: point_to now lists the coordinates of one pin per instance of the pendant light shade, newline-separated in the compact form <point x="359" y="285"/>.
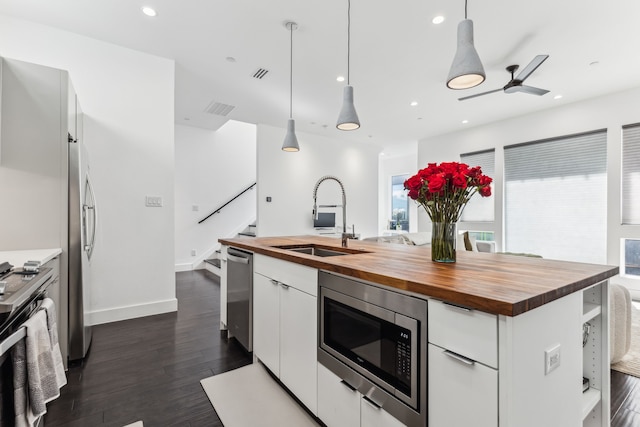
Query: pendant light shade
<point x="467" y="70"/>
<point x="290" y="140"/>
<point x="348" y="118"/>
<point x="290" y="143"/>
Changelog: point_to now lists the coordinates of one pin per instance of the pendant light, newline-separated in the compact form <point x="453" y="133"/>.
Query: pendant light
<point x="467" y="70"/>
<point x="348" y="118"/>
<point x="290" y="140"/>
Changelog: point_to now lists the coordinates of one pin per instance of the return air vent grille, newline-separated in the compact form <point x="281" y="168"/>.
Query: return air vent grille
<point x="218" y="108"/>
<point x="260" y="73"/>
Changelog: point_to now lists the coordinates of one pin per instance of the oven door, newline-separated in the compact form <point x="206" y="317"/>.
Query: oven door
<point x="376" y="342"/>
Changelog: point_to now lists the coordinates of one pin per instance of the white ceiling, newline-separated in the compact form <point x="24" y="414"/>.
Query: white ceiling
<point x="397" y="56"/>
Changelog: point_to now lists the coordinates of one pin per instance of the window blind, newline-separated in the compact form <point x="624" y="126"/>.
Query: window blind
<point x="480" y="208"/>
<point x="631" y="174"/>
<point x="556" y="197"/>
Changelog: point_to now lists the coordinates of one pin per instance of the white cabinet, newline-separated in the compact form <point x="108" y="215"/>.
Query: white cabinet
<point x="595" y="355"/>
<point x="266" y="322"/>
<point x="462" y="392"/>
<point x="341" y="406"/>
<point x="285" y="324"/>
<point x="463" y="361"/>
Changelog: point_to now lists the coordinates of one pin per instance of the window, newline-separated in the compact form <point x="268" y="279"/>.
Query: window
<point x="631" y="174"/>
<point x="631" y="260"/>
<point x="399" y="203"/>
<point x="556" y="198"/>
<point x="480" y="208"/>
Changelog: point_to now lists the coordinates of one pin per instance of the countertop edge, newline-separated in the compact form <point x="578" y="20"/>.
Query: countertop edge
<point x="511" y="308"/>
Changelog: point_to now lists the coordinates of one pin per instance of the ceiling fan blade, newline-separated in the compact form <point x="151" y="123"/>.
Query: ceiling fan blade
<point x="479" y="94"/>
<point x="529" y="89"/>
<point x="531" y="67"/>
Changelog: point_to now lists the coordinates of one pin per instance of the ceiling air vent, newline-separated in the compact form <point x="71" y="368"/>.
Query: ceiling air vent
<point x="260" y="73"/>
<point x="218" y="108"/>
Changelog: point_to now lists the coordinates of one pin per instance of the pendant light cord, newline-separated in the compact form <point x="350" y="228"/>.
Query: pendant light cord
<point x="349" y="40"/>
<point x="465" y="9"/>
<point x="291" y="72"/>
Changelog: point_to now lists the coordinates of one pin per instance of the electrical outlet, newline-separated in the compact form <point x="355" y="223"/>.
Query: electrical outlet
<point x="551" y="359"/>
<point x="195" y="208"/>
<point x="193" y="252"/>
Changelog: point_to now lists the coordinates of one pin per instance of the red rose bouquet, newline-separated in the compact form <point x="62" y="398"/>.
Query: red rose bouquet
<point x="443" y="191"/>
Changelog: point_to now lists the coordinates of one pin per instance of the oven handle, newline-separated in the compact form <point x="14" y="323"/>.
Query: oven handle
<point x="459" y="358"/>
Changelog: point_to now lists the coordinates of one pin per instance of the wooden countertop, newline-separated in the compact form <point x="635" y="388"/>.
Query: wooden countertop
<point x="494" y="283"/>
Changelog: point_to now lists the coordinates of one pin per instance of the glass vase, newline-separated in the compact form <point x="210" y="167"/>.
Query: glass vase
<point x="443" y="242"/>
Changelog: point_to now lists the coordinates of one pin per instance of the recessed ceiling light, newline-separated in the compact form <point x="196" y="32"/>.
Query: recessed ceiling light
<point x="230" y="59"/>
<point x="414" y="103"/>
<point x="557" y="97"/>
<point x="464" y="122"/>
<point x="340" y="78"/>
<point x="149" y="11"/>
<point x="438" y="19"/>
<point x="594" y="63"/>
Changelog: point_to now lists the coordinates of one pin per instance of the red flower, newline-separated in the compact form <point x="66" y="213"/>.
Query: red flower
<point x="443" y="190"/>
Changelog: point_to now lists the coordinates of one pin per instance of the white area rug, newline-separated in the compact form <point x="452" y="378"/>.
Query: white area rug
<point x="248" y="396"/>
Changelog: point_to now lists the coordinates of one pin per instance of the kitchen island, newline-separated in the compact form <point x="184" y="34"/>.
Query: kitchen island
<point x="515" y="322"/>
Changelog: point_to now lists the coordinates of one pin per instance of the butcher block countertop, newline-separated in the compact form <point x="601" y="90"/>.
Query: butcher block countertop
<point x="495" y="283"/>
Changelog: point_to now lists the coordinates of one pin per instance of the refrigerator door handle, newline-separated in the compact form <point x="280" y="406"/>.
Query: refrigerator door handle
<point x="93" y="208"/>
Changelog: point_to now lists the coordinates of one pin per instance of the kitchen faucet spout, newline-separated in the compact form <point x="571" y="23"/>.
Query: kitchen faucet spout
<point x="345" y="235"/>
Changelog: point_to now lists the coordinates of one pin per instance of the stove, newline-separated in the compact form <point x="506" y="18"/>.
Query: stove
<point x="19" y="288"/>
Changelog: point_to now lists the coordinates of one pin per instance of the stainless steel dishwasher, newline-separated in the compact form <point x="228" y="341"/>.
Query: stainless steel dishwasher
<point x="239" y="296"/>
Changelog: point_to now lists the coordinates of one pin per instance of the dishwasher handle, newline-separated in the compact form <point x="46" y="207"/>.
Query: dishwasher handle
<point x="237" y="259"/>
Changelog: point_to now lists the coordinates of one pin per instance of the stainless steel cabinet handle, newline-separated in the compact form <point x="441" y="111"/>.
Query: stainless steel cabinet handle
<point x="284" y="285"/>
<point x="274" y="282"/>
<point x="459" y="358"/>
<point x="349" y="386"/>
<point x="237" y="259"/>
<point x="371" y="402"/>
<point x="459" y="307"/>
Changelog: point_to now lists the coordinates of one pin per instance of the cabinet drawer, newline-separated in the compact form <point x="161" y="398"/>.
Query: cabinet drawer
<point x="461" y="393"/>
<point x="299" y="276"/>
<point x="471" y="333"/>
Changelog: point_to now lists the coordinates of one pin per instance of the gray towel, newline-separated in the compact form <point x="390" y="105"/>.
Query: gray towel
<point x="34" y="374"/>
<point x="49" y="306"/>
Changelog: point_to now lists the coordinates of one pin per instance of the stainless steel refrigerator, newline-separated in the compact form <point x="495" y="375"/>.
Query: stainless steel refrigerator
<point x="47" y="197"/>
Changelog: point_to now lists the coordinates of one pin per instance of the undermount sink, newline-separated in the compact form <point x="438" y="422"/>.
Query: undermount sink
<point x="320" y="250"/>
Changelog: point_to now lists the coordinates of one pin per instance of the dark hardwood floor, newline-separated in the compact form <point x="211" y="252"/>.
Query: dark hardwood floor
<point x="150" y="369"/>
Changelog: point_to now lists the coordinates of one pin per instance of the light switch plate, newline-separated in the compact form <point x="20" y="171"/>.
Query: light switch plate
<point x="551" y="359"/>
<point x="153" y="201"/>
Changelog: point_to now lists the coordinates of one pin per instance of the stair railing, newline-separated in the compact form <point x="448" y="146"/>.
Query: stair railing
<point x="221" y="207"/>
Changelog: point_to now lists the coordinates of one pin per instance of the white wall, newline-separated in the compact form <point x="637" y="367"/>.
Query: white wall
<point x="128" y="99"/>
<point x="389" y="167"/>
<point x="289" y="179"/>
<point x="211" y="168"/>
<point x="610" y="112"/>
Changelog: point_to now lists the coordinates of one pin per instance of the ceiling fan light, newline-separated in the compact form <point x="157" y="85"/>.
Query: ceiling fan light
<point x="348" y="118"/>
<point x="290" y="140"/>
<point x="466" y="70"/>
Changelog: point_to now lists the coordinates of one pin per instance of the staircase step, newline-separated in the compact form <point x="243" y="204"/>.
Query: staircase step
<point x="213" y="261"/>
<point x="247" y="233"/>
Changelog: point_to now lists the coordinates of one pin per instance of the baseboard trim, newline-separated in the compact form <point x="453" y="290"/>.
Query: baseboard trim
<point x="132" y="311"/>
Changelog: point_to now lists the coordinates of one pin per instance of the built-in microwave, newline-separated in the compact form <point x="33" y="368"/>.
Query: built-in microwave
<point x="375" y="339"/>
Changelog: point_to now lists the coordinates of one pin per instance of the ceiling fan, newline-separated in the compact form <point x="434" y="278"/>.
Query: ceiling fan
<point x="515" y="84"/>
